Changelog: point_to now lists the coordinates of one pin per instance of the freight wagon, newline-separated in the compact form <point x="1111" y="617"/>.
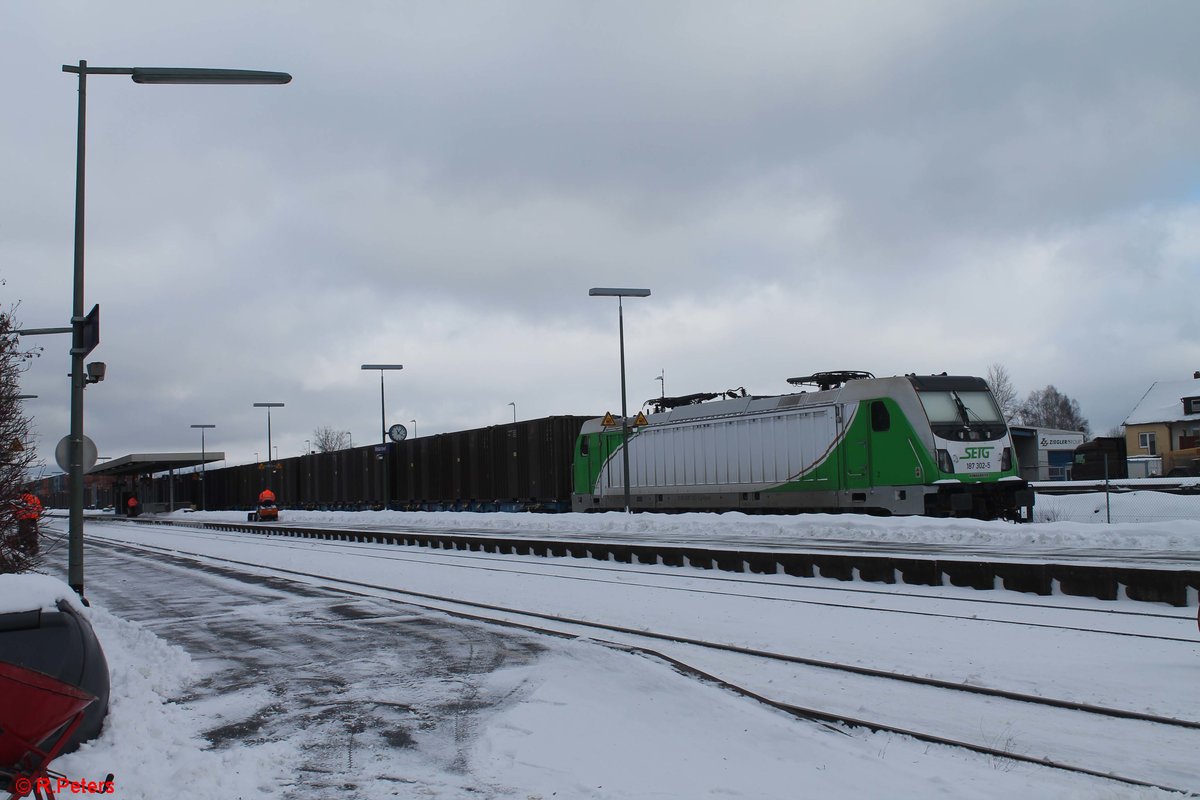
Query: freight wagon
<point x="934" y="445"/>
<point x="523" y="466"/>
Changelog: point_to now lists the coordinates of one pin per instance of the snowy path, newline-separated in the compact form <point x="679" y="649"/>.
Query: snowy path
<point x="314" y="682"/>
<point x="364" y="692"/>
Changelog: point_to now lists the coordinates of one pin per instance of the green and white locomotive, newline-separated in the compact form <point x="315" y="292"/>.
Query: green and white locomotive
<point x="916" y="444"/>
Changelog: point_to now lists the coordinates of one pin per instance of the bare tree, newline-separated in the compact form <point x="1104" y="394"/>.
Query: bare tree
<point x="1004" y="391"/>
<point x="17" y="456"/>
<point x="327" y="440"/>
<point x="1050" y="408"/>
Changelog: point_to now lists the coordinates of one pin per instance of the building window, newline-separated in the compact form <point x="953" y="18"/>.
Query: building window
<point x="1146" y="441"/>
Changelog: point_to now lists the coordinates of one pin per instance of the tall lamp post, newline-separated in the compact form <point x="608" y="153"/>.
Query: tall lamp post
<point x="203" y="488"/>
<point x="383" y="426"/>
<point x="84" y="336"/>
<point x="620" y="294"/>
<point x="268" y="407"/>
<point x="514" y="405"/>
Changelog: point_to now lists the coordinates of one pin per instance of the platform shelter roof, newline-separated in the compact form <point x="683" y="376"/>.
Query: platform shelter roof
<point x="154" y="463"/>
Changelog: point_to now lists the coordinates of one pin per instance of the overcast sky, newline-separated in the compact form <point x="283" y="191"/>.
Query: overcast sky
<point x="892" y="187"/>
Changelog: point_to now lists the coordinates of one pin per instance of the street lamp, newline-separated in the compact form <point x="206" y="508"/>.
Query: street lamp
<point x="514" y="405"/>
<point x="203" y="489"/>
<point x="620" y="294"/>
<point x="268" y="407"/>
<point x="383" y="426"/>
<point x="85" y="329"/>
<point x="382" y="412"/>
<point x="414" y="424"/>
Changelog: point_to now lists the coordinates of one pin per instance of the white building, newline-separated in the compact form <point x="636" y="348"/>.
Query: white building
<point x="1045" y="454"/>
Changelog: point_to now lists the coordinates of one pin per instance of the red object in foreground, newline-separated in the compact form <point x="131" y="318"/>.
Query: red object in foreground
<point x="34" y="706"/>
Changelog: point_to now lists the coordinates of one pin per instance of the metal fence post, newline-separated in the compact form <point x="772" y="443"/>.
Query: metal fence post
<point x="1107" y="496"/>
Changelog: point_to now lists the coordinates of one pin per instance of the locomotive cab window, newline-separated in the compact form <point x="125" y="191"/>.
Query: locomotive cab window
<point x="583" y="445"/>
<point x="965" y="407"/>
<point x="881" y="419"/>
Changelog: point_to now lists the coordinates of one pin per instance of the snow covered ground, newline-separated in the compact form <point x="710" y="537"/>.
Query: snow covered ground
<point x="1073" y="524"/>
<point x="576" y="719"/>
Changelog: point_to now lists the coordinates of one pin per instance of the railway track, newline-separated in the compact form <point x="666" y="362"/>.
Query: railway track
<point x="757" y="588"/>
<point x="1176" y="586"/>
<point x="1008" y="726"/>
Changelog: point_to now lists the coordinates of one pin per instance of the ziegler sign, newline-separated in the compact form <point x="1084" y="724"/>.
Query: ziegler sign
<point x="1061" y="441"/>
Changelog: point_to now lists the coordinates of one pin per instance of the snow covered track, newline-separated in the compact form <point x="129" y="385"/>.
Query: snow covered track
<point x="1096" y="736"/>
<point x="1177" y="586"/>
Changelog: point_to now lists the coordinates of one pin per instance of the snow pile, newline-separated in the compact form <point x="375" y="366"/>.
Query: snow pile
<point x="32" y="592"/>
<point x="1137" y="524"/>
<point x="153" y="746"/>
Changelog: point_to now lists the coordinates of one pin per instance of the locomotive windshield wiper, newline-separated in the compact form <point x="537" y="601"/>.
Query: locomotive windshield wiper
<point x="962" y="408"/>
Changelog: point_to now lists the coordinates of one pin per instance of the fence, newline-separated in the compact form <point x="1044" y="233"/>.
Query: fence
<point x="1118" y="501"/>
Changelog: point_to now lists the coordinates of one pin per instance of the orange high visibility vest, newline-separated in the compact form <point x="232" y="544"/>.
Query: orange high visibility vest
<point x="29" y="507"/>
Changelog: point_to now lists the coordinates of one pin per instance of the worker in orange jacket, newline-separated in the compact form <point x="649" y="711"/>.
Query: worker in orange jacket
<point x="28" y="512"/>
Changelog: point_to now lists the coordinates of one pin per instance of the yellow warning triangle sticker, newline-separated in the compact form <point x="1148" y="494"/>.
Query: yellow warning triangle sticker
<point x="608" y="421"/>
<point x="640" y="420"/>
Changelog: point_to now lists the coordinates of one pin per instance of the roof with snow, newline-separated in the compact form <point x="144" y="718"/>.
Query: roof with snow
<point x="1163" y="402"/>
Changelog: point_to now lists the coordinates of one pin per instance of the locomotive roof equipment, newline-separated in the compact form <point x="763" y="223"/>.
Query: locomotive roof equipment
<point x="830" y="380"/>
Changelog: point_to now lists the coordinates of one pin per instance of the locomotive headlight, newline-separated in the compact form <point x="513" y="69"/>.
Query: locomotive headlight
<point x="945" y="463"/>
<point x="1006" y="459"/>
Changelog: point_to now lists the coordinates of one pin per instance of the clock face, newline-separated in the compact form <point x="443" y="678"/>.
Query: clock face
<point x="397" y="433"/>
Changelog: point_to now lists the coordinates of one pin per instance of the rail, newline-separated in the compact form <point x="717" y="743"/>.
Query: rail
<point x="1177" y="587"/>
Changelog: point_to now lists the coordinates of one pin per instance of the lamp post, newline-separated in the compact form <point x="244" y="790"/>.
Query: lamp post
<point x="382" y="411"/>
<point x="620" y="294"/>
<point x="383" y="426"/>
<point x="268" y="407"/>
<point x="84" y="336"/>
<point x="514" y="405"/>
<point x="203" y="488"/>
<point x="414" y="424"/>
